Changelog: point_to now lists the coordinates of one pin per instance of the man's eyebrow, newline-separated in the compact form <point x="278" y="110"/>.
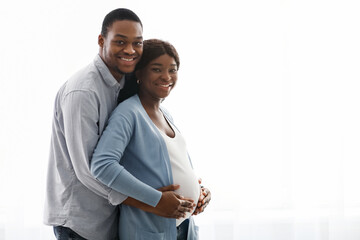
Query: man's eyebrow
<point x="123" y="36"/>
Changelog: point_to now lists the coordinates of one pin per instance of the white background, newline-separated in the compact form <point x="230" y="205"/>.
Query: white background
<point x="267" y="98"/>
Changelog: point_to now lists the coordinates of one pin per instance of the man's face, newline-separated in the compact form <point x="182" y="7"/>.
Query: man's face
<point x="122" y="48"/>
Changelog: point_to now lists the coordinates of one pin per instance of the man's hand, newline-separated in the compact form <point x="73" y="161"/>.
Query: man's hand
<point x="171" y="205"/>
<point x="204" y="199"/>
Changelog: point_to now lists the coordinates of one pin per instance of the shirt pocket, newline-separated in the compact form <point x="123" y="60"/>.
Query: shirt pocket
<point x="145" y="235"/>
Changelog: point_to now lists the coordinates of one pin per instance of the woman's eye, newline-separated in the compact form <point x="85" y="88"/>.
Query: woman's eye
<point x="173" y="71"/>
<point x="156" y="69"/>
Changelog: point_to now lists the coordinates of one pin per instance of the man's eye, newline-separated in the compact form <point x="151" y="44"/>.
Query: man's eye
<point x="138" y="43"/>
<point x="173" y="70"/>
<point x="120" y="42"/>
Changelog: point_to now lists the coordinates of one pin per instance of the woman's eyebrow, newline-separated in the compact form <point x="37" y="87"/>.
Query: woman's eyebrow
<point x="156" y="64"/>
<point x="159" y="64"/>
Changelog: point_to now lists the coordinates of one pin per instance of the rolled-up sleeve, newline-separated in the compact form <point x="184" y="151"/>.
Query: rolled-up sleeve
<point x="106" y="167"/>
<point x="81" y="130"/>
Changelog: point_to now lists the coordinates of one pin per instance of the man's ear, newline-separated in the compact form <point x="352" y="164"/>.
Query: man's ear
<point x="101" y="40"/>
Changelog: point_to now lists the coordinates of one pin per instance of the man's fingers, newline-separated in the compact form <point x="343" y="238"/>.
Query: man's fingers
<point x="183" y="210"/>
<point x="171" y="187"/>
<point x="187" y="204"/>
<point x="205" y="200"/>
<point x="185" y="199"/>
<point x="180" y="215"/>
<point x="207" y="197"/>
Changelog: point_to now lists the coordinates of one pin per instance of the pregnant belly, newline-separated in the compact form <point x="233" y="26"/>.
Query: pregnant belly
<point x="189" y="188"/>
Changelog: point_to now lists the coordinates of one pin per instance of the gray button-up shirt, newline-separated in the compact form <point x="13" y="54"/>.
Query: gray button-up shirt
<point x="74" y="198"/>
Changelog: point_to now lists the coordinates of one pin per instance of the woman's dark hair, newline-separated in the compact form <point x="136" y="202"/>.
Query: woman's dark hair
<point x="118" y="15"/>
<point x="154" y="48"/>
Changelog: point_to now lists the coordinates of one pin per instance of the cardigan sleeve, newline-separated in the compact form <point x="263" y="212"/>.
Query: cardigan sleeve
<point x="106" y="167"/>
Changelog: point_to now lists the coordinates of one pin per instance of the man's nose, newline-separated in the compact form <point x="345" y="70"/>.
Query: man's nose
<point x="129" y="49"/>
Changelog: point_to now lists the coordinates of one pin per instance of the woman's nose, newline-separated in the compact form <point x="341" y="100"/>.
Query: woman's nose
<point x="166" y="76"/>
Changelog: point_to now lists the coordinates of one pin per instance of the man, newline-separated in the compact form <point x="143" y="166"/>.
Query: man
<point x="77" y="205"/>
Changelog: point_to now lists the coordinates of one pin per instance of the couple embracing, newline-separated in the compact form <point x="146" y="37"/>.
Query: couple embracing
<point x="118" y="165"/>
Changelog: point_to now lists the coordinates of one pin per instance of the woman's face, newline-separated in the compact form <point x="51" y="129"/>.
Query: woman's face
<point x="158" y="78"/>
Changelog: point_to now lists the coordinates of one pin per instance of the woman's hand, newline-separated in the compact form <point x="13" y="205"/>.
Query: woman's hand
<point x="172" y="205"/>
<point x="204" y="199"/>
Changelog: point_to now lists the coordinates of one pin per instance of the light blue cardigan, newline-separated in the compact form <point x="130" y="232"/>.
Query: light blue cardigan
<point x="131" y="158"/>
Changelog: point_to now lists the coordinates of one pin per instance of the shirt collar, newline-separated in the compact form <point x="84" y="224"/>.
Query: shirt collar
<point x="106" y="74"/>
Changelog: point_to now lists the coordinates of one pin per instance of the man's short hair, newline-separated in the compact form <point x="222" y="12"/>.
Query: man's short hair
<point x="118" y="15"/>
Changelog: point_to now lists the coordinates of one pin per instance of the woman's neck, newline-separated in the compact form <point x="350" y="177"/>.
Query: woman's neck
<point x="151" y="105"/>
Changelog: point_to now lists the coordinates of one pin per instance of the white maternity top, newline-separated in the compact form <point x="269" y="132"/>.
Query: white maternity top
<point x="183" y="173"/>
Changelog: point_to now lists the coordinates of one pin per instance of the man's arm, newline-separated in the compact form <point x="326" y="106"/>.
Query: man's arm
<point x="81" y="116"/>
<point x="164" y="209"/>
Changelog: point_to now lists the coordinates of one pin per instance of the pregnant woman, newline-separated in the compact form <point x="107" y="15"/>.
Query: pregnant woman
<point x="141" y="150"/>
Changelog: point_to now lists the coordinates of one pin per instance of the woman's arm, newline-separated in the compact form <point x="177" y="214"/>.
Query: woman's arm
<point x="106" y="167"/>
